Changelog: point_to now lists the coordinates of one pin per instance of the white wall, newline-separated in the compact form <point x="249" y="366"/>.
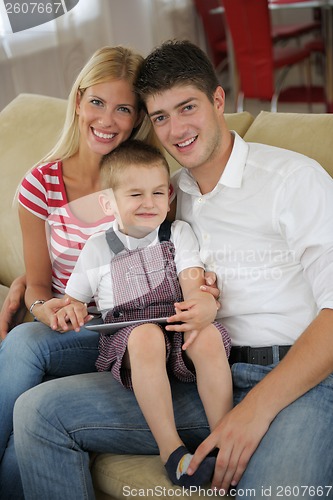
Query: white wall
<point x="131" y="24"/>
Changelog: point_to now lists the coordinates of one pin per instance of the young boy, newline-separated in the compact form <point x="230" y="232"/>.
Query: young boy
<point x="143" y="267"/>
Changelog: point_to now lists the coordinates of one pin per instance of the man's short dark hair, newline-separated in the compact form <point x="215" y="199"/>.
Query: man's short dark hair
<point x="176" y="62"/>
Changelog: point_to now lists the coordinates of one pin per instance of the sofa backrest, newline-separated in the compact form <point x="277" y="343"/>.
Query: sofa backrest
<point x="29" y="127"/>
<point x="307" y="133"/>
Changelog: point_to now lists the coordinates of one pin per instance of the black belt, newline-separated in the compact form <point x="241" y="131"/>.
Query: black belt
<point x="256" y="355"/>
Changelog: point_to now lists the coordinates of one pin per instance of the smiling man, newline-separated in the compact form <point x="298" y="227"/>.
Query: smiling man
<point x="272" y="252"/>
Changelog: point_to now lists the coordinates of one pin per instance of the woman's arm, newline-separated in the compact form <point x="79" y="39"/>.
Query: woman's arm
<point x="36" y="257"/>
<point x="38" y="267"/>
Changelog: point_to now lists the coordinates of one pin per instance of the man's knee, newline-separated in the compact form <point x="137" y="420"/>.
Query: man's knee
<point x="28" y="409"/>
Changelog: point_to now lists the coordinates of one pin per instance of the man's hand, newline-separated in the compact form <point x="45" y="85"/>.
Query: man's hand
<point x="13" y="310"/>
<point x="193" y="315"/>
<point x="237" y="436"/>
<point x="211" y="287"/>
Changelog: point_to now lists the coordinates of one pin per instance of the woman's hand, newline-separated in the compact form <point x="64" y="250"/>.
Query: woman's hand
<point x="13" y="310"/>
<point x="46" y="313"/>
<point x="71" y="317"/>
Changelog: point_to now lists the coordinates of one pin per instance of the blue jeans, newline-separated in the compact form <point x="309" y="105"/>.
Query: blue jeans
<point x="59" y="422"/>
<point x="295" y="457"/>
<point x="30" y="352"/>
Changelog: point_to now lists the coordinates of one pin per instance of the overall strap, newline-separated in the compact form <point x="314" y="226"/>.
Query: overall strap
<point x="114" y="242"/>
<point x="164" y="231"/>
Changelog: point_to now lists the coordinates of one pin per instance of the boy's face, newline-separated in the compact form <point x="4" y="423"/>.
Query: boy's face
<point x="188" y="124"/>
<point x="141" y="200"/>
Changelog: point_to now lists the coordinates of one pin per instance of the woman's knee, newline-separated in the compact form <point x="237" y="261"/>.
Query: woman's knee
<point x="24" y="339"/>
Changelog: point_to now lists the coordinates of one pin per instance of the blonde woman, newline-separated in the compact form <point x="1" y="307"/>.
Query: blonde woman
<point x="58" y="211"/>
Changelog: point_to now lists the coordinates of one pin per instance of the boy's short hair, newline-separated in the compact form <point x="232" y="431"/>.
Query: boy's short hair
<point x="176" y="62"/>
<point x="129" y="153"/>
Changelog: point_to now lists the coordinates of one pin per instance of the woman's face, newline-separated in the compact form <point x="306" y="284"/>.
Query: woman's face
<point x="107" y="115"/>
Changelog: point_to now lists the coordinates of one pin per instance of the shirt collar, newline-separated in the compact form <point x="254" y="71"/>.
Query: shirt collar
<point x="132" y="243"/>
<point x="234" y="170"/>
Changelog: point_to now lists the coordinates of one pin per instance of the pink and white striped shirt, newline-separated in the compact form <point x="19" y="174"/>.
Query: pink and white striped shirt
<point x="43" y="193"/>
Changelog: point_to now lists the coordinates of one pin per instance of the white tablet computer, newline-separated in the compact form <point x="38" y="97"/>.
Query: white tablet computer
<point x="108" y="328"/>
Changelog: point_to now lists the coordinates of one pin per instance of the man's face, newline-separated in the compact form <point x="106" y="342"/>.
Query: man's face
<point x="188" y="124"/>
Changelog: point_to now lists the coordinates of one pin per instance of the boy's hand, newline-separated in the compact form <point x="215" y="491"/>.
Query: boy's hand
<point x="193" y="314"/>
<point x="72" y="316"/>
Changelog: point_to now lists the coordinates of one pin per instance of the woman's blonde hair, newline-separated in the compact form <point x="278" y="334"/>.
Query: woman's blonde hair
<point x="107" y="63"/>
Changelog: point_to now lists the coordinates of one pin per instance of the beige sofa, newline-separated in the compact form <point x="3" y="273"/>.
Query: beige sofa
<point x="29" y="126"/>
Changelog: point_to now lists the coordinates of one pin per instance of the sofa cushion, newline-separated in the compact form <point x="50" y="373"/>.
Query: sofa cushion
<point x="309" y="134"/>
<point x="129" y="476"/>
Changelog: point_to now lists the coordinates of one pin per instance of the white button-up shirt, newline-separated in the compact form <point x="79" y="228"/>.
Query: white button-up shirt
<point x="266" y="230"/>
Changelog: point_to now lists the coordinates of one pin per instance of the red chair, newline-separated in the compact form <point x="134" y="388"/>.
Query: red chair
<point x="286" y="32"/>
<point x="257" y="58"/>
<point x="215" y="32"/>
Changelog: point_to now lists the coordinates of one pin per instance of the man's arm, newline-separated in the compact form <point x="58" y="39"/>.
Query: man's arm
<point x="239" y="433"/>
<point x="13" y="309"/>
